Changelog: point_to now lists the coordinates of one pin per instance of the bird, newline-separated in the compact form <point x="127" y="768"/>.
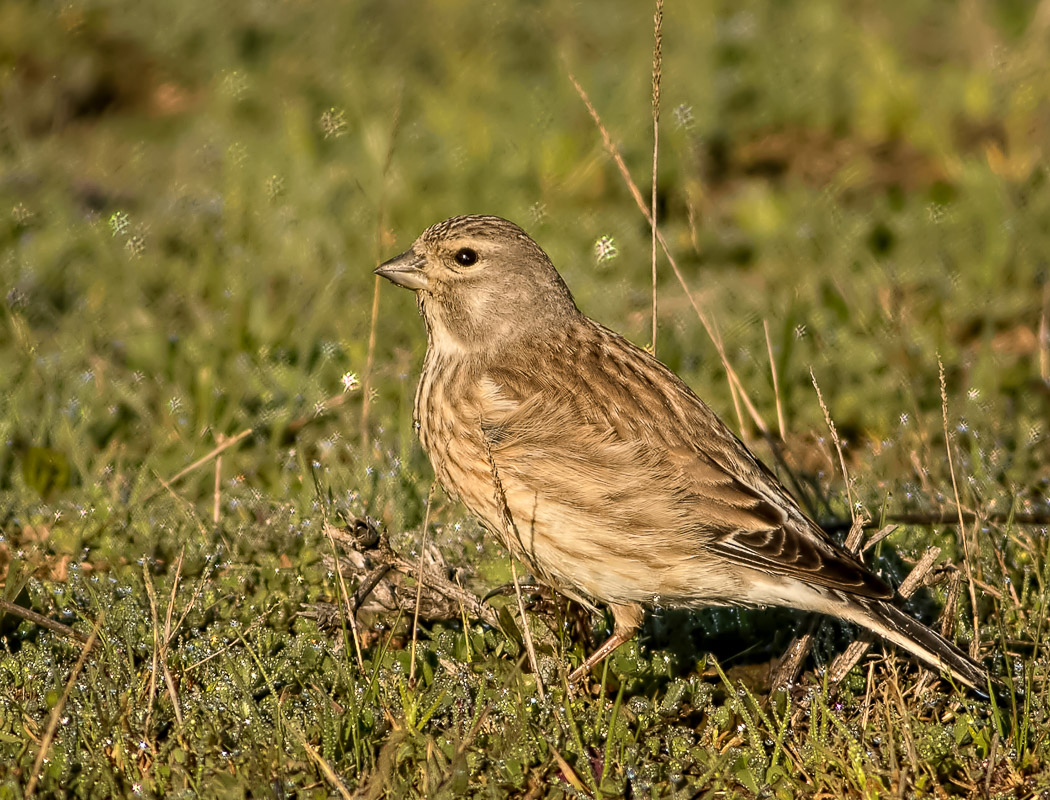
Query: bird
<point x="599" y="468"/>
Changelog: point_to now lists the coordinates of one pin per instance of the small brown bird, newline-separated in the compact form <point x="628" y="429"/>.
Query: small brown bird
<point x="598" y="467"/>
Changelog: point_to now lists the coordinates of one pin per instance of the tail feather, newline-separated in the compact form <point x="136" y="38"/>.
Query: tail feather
<point x="927" y="645"/>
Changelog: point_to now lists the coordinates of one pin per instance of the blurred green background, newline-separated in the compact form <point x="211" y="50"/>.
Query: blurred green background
<point x="192" y="198"/>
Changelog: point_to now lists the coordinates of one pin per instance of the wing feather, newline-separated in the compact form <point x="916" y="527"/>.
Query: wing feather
<point x="608" y="428"/>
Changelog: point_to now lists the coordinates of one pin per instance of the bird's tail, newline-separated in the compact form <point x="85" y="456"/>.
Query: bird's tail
<point x="925" y="644"/>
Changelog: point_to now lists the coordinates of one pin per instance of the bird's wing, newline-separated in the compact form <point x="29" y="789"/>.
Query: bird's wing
<point x="605" y="427"/>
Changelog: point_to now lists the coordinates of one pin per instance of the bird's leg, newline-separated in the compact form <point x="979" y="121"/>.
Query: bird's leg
<point x="627" y="619"/>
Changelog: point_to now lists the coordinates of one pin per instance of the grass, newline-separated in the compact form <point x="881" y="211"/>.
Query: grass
<point x="193" y="197"/>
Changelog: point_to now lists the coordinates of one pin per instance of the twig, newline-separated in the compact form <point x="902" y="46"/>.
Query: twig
<point x="879" y="536"/>
<point x="419" y="589"/>
<point x="993" y="760"/>
<point x="917" y="576"/>
<point x="56" y="712"/>
<point x="975" y="644"/>
<point x="7" y="607"/>
<point x="790" y="664"/>
<point x="367" y="585"/>
<point x="951" y="603"/>
<point x="850" y="657"/>
<point x="941" y="518"/>
<point x="658" y="37"/>
<point x="372" y="559"/>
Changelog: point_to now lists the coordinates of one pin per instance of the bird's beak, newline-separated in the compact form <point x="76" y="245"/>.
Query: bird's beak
<point x="405" y="270"/>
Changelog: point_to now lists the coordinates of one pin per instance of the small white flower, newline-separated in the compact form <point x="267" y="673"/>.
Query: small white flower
<point x="119" y="222"/>
<point x="605" y="249"/>
<point x="333" y="123"/>
<point x="683" y="116"/>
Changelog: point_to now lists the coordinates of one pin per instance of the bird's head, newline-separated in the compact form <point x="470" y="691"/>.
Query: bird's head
<point x="481" y="282"/>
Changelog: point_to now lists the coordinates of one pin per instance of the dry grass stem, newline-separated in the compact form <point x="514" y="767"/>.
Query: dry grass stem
<point x="734" y="396"/>
<point x="510" y="527"/>
<point x="366" y="378"/>
<point x="1044" y="333"/>
<point x="419" y="588"/>
<point x="527" y="634"/>
<point x="658" y="38"/>
<point x="214" y="453"/>
<point x="256" y="623"/>
<point x="905" y="716"/>
<point x="161" y="641"/>
<point x="465" y="743"/>
<point x="326" y="769"/>
<point x="168" y="632"/>
<point x="218" y="485"/>
<point x="842" y="462"/>
<point x="568" y="773"/>
<point x="56" y="712"/>
<point x="191" y="510"/>
<point x="993" y="756"/>
<point x="975" y="644"/>
<point x="776" y="383"/>
<point x="614" y="153"/>
<point x="790" y="665"/>
<point x="351" y="617"/>
<point x="152" y="595"/>
<point x="330" y="404"/>
<point x="945" y="518"/>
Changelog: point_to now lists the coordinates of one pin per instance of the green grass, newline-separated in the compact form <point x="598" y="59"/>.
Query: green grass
<point x="192" y="198"/>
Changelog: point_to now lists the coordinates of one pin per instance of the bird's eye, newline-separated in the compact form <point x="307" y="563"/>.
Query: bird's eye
<point x="466" y="257"/>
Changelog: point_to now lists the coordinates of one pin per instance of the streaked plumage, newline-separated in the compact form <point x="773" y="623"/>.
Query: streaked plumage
<point x="597" y="466"/>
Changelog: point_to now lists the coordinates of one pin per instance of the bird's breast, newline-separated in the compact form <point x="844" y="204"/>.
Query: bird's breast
<point x="447" y="419"/>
